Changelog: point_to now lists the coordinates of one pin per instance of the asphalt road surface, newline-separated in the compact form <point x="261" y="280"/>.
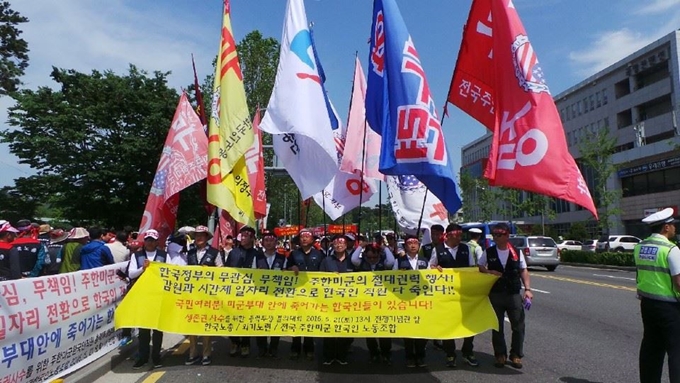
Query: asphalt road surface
<point x="584" y="327"/>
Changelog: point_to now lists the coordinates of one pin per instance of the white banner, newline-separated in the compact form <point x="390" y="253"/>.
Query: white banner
<point x="51" y="326"/>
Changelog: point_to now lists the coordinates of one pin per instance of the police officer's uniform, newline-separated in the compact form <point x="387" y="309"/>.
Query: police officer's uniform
<point x="658" y="262"/>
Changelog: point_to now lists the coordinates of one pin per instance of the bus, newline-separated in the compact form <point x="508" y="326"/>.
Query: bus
<point x="487" y="239"/>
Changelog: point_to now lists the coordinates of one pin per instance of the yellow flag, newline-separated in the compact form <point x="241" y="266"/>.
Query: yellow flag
<point x="230" y="133"/>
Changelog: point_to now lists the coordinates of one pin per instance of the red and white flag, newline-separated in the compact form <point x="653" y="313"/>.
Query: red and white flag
<point x="184" y="161"/>
<point x="255" y="164"/>
<point x="226" y="226"/>
<point x="362" y="143"/>
<point x="498" y="71"/>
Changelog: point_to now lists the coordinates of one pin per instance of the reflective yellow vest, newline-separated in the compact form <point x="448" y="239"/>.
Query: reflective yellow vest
<point x="654" y="280"/>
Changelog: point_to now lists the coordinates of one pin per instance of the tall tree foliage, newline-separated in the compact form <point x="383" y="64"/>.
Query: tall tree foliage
<point x="13" y="49"/>
<point x="596" y="152"/>
<point x="95" y="141"/>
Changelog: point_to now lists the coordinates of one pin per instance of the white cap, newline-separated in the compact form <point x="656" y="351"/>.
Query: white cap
<point x="660" y="217"/>
<point x="184" y="230"/>
<point x="151" y="234"/>
<point x="475" y="230"/>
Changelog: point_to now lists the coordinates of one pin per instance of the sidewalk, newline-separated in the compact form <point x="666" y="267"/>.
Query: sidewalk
<point x="116" y="366"/>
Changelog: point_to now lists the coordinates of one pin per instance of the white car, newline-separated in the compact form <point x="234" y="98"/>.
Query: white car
<point x="618" y="243"/>
<point x="569" y="244"/>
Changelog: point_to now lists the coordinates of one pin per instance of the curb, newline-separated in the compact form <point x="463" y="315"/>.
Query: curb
<point x="611" y="267"/>
<point x="108" y="362"/>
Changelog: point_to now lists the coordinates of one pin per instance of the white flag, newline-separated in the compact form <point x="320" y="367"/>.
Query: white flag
<point x="297" y="115"/>
<point x="344" y="192"/>
<point x="406" y="196"/>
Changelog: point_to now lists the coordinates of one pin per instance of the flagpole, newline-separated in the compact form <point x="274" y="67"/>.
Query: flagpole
<point x="299" y="209"/>
<point x="422" y="210"/>
<point x="380" y="209"/>
<point x="323" y="207"/>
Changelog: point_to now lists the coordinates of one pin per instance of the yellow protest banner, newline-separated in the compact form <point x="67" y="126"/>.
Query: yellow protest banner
<point x="224" y="301"/>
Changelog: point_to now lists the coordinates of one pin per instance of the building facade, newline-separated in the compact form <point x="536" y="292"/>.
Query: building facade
<point x="638" y="100"/>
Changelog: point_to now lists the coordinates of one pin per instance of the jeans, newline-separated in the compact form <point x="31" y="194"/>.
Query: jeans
<point x="512" y="305"/>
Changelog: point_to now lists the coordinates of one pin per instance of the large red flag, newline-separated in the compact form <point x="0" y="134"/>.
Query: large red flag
<point x="184" y="161"/>
<point x="255" y="163"/>
<point x="529" y="150"/>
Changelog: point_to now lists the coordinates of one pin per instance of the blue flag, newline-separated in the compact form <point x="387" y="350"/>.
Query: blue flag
<point x="400" y="108"/>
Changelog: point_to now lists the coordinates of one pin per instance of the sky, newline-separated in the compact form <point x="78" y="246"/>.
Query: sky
<point x="572" y="38"/>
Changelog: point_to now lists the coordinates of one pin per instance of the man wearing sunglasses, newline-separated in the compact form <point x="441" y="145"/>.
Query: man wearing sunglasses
<point x="508" y="263"/>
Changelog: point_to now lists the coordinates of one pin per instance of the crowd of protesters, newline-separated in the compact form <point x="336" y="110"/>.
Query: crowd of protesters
<point x="31" y="250"/>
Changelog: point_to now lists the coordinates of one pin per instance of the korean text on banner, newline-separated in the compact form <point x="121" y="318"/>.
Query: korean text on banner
<point x="412" y="304"/>
<point x="230" y="133"/>
<point x="51" y="326"/>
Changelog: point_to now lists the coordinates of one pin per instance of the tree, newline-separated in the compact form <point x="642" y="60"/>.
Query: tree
<point x="596" y="153"/>
<point x="95" y="142"/>
<point x="577" y="231"/>
<point x="13" y="49"/>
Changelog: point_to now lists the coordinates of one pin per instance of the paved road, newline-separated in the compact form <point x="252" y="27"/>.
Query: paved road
<point x="584" y="327"/>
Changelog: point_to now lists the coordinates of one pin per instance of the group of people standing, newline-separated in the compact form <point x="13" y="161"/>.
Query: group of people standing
<point x="347" y="254"/>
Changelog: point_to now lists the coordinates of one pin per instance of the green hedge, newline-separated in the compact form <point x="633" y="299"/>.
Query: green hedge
<point x="613" y="259"/>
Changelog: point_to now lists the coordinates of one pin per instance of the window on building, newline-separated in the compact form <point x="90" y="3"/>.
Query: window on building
<point x="605" y="123"/>
<point x="592" y="101"/>
<point x="604" y="96"/>
<point x="624" y="119"/>
<point x="622" y="88"/>
<point x="598" y="99"/>
<point x="653" y="182"/>
<point x="585" y="105"/>
<point x="573" y="110"/>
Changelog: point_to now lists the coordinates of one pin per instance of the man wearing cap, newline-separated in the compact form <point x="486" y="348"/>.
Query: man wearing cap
<point x="54" y="251"/>
<point x="436" y="234"/>
<point x="138" y="263"/>
<point x="269" y="260"/>
<point x="375" y="257"/>
<point x="336" y="349"/>
<point x="475" y="235"/>
<point x="242" y="256"/>
<point x="202" y="254"/>
<point x="304" y="258"/>
<point x="95" y="253"/>
<point x="70" y="253"/>
<point x="413" y="259"/>
<point x="506" y="262"/>
<point x="658" y="287"/>
<point x="44" y="234"/>
<point x="32" y="253"/>
<point x="10" y="264"/>
<point x="452" y="253"/>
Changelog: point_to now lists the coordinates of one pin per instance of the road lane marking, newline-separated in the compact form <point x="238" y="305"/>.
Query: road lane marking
<point x="540" y="291"/>
<point x="154" y="377"/>
<point x="613" y="277"/>
<point x="182" y="348"/>
<point x="584" y="282"/>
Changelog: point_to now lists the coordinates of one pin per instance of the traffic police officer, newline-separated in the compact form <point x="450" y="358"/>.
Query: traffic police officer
<point x="658" y="286"/>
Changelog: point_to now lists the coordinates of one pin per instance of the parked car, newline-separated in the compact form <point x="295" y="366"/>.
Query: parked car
<point x="569" y="244"/>
<point x="617" y="243"/>
<point x="538" y="251"/>
<point x="589" y="245"/>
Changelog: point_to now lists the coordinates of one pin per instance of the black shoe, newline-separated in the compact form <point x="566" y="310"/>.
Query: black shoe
<point x="328" y="362"/>
<point x="138" y="364"/>
<point x="206" y="361"/>
<point x="471" y="360"/>
<point x="411" y="363"/>
<point x="234" y="350"/>
<point x="451" y="362"/>
<point x="157" y="364"/>
<point x="342" y="362"/>
<point x="421" y="363"/>
<point x="192" y="361"/>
